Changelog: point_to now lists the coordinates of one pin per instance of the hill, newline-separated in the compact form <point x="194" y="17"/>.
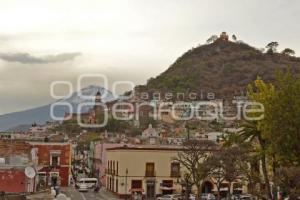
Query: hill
<point x="224" y="68"/>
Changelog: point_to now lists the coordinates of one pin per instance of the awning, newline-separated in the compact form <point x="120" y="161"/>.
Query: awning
<point x="222" y="189"/>
<point x="136" y="190"/>
<point x="166" y="188"/>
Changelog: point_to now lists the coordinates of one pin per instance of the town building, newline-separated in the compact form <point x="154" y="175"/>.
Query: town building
<point x="151" y="171"/>
<point x="100" y="160"/>
<point x="148" y="170"/>
<point x="90" y="117"/>
<point x="15" y="157"/>
<point x="54" y="163"/>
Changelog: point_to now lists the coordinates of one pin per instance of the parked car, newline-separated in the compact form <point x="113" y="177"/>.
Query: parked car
<point x="208" y="196"/>
<point x="192" y="197"/>
<point x="90" y="182"/>
<point x="83" y="187"/>
<point x="243" y="197"/>
<point x="170" y="197"/>
<point x="177" y="197"/>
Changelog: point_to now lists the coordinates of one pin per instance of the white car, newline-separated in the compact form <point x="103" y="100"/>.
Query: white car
<point x="208" y="196"/>
<point x="192" y="197"/>
<point x="83" y="188"/>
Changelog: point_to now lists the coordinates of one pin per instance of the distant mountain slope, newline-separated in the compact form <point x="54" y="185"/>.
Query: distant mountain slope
<point x="223" y="67"/>
<point x="40" y="115"/>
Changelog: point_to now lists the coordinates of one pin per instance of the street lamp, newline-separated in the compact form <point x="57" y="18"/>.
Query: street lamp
<point x="126" y="174"/>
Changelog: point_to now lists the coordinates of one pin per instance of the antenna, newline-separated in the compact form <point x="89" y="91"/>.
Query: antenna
<point x="30" y="172"/>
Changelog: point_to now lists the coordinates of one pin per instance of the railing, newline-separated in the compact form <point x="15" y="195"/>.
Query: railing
<point x="150" y="174"/>
<point x="175" y="174"/>
<point x="55" y="165"/>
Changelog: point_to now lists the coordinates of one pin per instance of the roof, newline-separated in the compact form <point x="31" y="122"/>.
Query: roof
<point x="148" y="147"/>
<point x="50" y="143"/>
<point x="153" y="147"/>
<point x="14" y="147"/>
<point x="150" y="131"/>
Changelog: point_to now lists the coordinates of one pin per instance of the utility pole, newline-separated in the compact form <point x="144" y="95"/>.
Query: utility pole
<point x="126" y="174"/>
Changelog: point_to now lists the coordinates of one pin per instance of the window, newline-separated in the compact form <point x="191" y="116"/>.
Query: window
<point x="55" y="158"/>
<point x="136" y="184"/>
<point x="117" y="185"/>
<point x="150" y="170"/>
<point x="117" y="167"/>
<point x="113" y="170"/>
<point x="175" y="169"/>
<point x="42" y="178"/>
<point x="2" y="161"/>
<point x="167" y="183"/>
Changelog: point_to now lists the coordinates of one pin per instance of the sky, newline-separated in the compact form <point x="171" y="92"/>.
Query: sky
<point x="125" y="40"/>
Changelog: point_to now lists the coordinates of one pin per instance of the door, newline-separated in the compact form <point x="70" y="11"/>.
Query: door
<point x="150" y="190"/>
<point x="150" y="170"/>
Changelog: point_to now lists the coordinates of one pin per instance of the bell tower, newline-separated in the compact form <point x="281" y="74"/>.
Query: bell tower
<point x="98" y="97"/>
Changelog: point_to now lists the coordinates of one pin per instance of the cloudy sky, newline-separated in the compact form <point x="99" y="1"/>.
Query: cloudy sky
<point x="43" y="41"/>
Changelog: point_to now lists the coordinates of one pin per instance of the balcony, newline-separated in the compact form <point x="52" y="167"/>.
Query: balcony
<point x="175" y="174"/>
<point x="150" y="173"/>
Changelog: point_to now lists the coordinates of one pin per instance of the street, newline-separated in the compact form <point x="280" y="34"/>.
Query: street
<point x="90" y="195"/>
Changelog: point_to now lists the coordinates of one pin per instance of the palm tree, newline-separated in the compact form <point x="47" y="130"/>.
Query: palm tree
<point x="250" y="133"/>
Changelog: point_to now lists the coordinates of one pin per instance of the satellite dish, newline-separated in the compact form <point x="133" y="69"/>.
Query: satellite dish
<point x="30" y="172"/>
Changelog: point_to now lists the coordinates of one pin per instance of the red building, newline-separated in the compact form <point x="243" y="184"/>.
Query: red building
<point x="14" y="158"/>
<point x="54" y="163"/>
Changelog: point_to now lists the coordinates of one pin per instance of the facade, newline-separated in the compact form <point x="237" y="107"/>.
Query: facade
<point x="147" y="170"/>
<point x="151" y="171"/>
<point x="15" y="157"/>
<point x="54" y="163"/>
<point x="150" y="132"/>
<point x="100" y="160"/>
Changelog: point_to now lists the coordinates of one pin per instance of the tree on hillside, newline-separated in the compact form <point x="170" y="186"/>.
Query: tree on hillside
<point x="272" y="47"/>
<point x="212" y="39"/>
<point x="234" y="38"/>
<point x="193" y="157"/>
<point x="288" y="51"/>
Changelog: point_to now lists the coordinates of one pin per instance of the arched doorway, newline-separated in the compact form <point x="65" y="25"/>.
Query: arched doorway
<point x="207" y="187"/>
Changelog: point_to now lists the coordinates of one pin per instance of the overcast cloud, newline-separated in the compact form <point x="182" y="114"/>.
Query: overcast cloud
<point x="123" y="39"/>
<point x="26" y="58"/>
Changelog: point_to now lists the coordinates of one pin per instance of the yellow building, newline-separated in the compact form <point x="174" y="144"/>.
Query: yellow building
<point x="147" y="170"/>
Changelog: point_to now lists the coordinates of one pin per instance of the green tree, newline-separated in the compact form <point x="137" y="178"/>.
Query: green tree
<point x="212" y="39"/>
<point x="281" y="123"/>
<point x="263" y="93"/>
<point x="288" y="51"/>
<point x="234" y="38"/>
<point x="288" y="178"/>
<point x="272" y="47"/>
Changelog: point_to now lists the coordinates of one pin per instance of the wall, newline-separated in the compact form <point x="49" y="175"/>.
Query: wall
<point x="13" y="181"/>
<point x="135" y="161"/>
<point x="100" y="161"/>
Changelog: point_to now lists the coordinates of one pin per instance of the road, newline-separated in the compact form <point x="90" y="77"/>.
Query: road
<point x="91" y="195"/>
